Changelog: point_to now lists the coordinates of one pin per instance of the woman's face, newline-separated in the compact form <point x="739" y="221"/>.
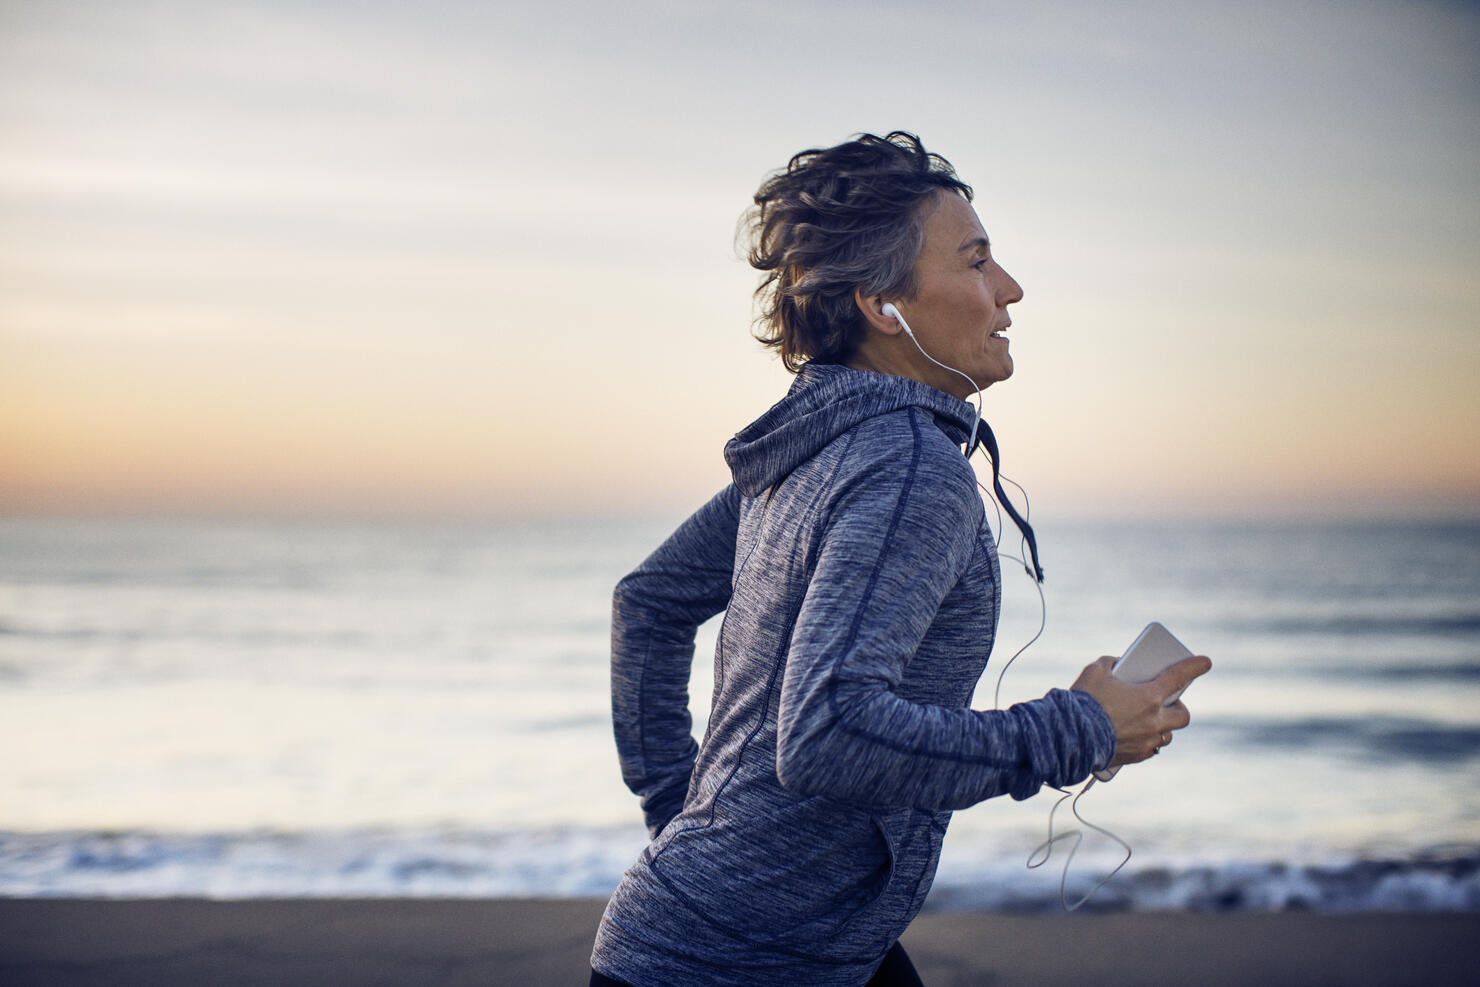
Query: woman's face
<point x="960" y="308"/>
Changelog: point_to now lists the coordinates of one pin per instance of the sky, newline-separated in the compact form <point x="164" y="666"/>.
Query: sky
<point x="478" y="259"/>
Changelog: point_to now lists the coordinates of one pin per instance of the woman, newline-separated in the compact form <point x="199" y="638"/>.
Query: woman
<point x="861" y="588"/>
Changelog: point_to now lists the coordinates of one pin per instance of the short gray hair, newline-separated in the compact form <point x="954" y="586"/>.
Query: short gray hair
<point x="834" y="221"/>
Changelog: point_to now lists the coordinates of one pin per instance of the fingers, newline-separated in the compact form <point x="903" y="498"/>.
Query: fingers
<point x="1167" y="721"/>
<point x="1179" y="676"/>
<point x="1143" y="719"/>
<point x="1157" y="744"/>
<point x="1176" y="716"/>
<point x="1147" y="724"/>
<point x="1151" y="746"/>
<point x="1094" y="673"/>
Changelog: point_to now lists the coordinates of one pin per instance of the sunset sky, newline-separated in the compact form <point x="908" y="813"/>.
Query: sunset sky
<point x="318" y="258"/>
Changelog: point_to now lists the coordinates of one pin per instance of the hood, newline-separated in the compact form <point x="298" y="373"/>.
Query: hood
<point x="825" y="401"/>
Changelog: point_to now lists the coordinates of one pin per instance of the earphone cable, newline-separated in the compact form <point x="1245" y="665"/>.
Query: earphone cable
<point x="1046" y="847"/>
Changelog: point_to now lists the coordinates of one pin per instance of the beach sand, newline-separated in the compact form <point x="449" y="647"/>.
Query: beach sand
<point x="89" y="943"/>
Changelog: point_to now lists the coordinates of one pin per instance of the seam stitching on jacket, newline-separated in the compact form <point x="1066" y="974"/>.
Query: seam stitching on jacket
<point x="832" y="694"/>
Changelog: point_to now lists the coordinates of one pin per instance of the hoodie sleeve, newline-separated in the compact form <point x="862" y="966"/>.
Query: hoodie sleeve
<point x="656" y="611"/>
<point x="900" y="534"/>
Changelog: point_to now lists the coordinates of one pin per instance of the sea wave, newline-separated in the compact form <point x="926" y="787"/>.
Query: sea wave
<point x="1466" y="625"/>
<point x="1423" y="672"/>
<point x="588" y="862"/>
<point x="1444" y="879"/>
<point x="1384" y="739"/>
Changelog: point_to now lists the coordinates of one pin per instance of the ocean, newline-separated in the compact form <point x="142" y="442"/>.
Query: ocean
<point x="239" y="709"/>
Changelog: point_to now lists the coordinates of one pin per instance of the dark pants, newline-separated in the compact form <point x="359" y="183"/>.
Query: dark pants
<point x="895" y="971"/>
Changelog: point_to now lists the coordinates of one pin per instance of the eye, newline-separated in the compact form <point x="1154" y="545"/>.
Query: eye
<point x="981" y="265"/>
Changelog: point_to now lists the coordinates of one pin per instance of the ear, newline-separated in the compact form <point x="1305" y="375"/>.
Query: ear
<point x="872" y="309"/>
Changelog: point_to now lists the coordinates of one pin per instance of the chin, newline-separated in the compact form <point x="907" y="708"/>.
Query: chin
<point x="999" y="374"/>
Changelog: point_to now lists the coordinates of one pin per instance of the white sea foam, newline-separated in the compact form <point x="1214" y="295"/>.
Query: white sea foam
<point x="576" y="862"/>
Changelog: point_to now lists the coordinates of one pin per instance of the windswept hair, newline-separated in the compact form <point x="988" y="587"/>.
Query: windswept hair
<point x="835" y="220"/>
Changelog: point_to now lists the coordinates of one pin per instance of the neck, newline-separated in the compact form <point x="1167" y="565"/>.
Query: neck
<point x="900" y="355"/>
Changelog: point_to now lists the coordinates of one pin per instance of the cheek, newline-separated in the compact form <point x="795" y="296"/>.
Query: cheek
<point x="972" y="302"/>
<point x="976" y="311"/>
<point x="988" y="297"/>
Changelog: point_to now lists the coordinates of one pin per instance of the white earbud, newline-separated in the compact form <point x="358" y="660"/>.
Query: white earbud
<point x="891" y="312"/>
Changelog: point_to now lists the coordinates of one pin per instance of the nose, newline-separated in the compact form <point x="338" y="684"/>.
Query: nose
<point x="1008" y="290"/>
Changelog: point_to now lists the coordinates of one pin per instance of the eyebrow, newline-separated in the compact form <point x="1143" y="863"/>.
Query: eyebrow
<point x="978" y="242"/>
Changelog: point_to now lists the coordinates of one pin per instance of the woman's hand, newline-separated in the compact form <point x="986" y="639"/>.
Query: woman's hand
<point x="1143" y="724"/>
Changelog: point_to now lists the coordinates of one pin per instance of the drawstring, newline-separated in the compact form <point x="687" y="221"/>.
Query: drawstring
<point x="983" y="437"/>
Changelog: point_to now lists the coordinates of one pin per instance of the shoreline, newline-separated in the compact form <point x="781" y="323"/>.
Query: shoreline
<point x="186" y="941"/>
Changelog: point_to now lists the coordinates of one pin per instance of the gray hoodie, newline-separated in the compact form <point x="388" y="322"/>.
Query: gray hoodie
<point x="861" y="589"/>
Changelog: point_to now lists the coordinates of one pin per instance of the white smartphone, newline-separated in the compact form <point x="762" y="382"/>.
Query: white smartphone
<point x="1148" y="656"/>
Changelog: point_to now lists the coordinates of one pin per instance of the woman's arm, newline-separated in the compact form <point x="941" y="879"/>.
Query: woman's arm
<point x="896" y="542"/>
<point x="655" y="612"/>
